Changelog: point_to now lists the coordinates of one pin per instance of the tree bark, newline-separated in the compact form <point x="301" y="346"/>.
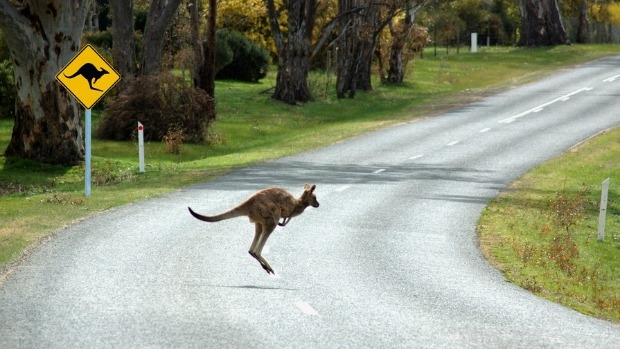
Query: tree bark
<point x="356" y="47"/>
<point x="294" y="53"/>
<point x="123" y="50"/>
<point x="194" y="17"/>
<point x="158" y="18"/>
<point x="541" y="24"/>
<point x="400" y="36"/>
<point x="582" y="31"/>
<point x="43" y="36"/>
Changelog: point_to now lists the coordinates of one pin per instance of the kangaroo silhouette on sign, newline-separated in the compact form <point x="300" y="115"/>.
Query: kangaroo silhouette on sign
<point x="89" y="72"/>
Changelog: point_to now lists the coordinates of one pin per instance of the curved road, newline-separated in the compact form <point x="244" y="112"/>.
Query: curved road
<point x="389" y="260"/>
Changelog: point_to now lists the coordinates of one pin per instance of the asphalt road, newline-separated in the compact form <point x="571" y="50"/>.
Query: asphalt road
<point x="389" y="260"/>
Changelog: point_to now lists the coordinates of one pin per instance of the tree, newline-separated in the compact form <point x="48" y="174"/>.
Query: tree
<point x="541" y="24"/>
<point x="356" y="45"/>
<point x="204" y="55"/>
<point x="293" y="52"/>
<point x="43" y="35"/>
<point x="123" y="50"/>
<point x="157" y="20"/>
<point x="400" y="35"/>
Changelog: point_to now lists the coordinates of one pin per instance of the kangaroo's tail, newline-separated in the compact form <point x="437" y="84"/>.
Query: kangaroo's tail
<point x="72" y="76"/>
<point x="226" y="215"/>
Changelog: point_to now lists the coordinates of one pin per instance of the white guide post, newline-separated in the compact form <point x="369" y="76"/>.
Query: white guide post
<point x="141" y="146"/>
<point x="603" y="210"/>
<point x="474" y="42"/>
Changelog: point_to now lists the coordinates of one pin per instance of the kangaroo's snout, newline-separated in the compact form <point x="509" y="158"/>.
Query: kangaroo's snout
<point x="315" y="204"/>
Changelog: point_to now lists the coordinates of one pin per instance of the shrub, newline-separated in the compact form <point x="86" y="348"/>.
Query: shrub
<point x="160" y="102"/>
<point x="7" y="90"/>
<point x="100" y="39"/>
<point x="250" y="60"/>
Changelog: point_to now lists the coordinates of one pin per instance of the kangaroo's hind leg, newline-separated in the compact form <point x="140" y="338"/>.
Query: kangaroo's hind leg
<point x="260" y="237"/>
<point x="256" y="247"/>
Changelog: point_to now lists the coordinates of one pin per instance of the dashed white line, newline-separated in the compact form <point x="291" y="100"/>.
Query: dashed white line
<point x="613" y="78"/>
<point x="306" y="308"/>
<point x="416" y="157"/>
<point x="379" y="170"/>
<point x="453" y="143"/>
<point x="542" y="106"/>
<point x="485" y="130"/>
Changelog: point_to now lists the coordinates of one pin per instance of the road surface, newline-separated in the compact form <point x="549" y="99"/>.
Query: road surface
<point x="389" y="260"/>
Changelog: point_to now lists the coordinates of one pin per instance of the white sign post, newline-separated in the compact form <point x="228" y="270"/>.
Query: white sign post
<point x="603" y="210"/>
<point x="141" y="146"/>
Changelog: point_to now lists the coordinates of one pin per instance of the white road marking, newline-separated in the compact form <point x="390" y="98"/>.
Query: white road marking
<point x="343" y="188"/>
<point x="379" y="170"/>
<point x="416" y="157"/>
<point x="540" y="107"/>
<point x="453" y="143"/>
<point x="306" y="308"/>
<point x="613" y="78"/>
<point x="485" y="130"/>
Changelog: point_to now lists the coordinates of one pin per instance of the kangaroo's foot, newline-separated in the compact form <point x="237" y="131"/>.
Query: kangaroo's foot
<point x="263" y="262"/>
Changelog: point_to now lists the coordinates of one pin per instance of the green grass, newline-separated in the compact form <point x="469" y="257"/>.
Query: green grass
<point x="542" y="231"/>
<point x="38" y="200"/>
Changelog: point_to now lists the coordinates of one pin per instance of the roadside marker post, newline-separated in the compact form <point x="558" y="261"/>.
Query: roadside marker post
<point x="88" y="77"/>
<point x="141" y="146"/>
<point x="474" y="42"/>
<point x="603" y="210"/>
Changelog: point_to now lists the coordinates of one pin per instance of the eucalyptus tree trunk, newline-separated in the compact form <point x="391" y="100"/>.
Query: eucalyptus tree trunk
<point x="294" y="52"/>
<point x="400" y="35"/>
<point x="541" y="24"/>
<point x="157" y="21"/>
<point x="356" y="46"/>
<point x="124" y="48"/>
<point x="43" y="36"/>
<point x="582" y="31"/>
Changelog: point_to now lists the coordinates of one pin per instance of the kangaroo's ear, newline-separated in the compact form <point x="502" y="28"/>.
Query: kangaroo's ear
<point x="312" y="188"/>
<point x="307" y="187"/>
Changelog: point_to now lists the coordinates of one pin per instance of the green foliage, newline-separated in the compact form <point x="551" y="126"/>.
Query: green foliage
<point x="7" y="90"/>
<point x="100" y="39"/>
<point x="250" y="60"/>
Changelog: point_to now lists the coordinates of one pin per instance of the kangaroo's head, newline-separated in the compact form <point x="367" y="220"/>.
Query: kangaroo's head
<point x="103" y="71"/>
<point x="308" y="196"/>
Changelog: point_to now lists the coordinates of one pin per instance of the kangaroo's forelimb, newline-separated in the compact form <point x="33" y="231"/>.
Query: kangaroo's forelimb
<point x="285" y="221"/>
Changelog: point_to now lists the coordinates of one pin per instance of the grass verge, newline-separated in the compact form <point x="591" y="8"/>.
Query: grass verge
<point x="542" y="231"/>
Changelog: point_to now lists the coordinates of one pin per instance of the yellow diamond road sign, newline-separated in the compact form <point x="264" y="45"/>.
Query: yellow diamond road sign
<point x="88" y="77"/>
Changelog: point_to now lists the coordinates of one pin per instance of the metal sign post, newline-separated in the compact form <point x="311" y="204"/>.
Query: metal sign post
<point x="87" y="150"/>
<point x="88" y="77"/>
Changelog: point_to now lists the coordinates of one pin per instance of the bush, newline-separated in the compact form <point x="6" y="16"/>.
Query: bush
<point x="250" y="60"/>
<point x="100" y="39"/>
<point x="7" y="91"/>
<point x="161" y="103"/>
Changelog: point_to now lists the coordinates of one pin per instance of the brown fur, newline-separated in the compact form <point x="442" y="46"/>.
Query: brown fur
<point x="265" y="209"/>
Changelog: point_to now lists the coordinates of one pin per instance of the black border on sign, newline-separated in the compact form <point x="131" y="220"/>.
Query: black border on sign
<point x="71" y="61"/>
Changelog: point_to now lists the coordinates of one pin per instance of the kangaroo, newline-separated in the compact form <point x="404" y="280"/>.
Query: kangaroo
<point x="89" y="72"/>
<point x="265" y="209"/>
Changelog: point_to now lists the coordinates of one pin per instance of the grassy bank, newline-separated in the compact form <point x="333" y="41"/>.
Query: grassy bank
<point x="38" y="200"/>
<point x="542" y="231"/>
